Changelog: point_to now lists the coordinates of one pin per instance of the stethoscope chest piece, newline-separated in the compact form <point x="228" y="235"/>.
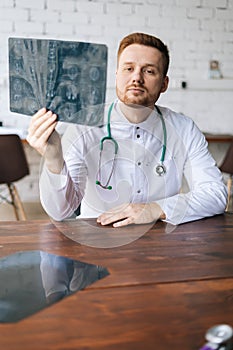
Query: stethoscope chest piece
<point x="220" y="334"/>
<point x="219" y="337"/>
<point x="160" y="169"/>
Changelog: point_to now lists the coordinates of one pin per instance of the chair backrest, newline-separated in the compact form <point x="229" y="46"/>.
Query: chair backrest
<point x="13" y="162"/>
<point x="227" y="164"/>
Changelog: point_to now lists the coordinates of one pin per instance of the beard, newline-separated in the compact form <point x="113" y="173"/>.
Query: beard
<point x="129" y="98"/>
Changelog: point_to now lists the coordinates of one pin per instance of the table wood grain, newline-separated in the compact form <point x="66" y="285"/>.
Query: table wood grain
<point x="164" y="289"/>
<point x="198" y="250"/>
<point x="219" y="138"/>
<point x="159" y="316"/>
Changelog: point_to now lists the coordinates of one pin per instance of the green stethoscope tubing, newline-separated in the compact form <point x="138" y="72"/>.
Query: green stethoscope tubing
<point x="164" y="148"/>
<point x="159" y="169"/>
<point x="109" y="137"/>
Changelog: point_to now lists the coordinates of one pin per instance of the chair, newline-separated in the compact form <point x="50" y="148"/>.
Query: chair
<point x="227" y="167"/>
<point x="13" y="167"/>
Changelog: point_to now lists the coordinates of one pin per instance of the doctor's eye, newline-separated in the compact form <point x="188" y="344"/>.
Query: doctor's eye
<point x="149" y="71"/>
<point x="128" y="68"/>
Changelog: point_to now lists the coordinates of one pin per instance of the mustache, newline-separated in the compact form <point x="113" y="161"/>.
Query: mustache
<point x="137" y="86"/>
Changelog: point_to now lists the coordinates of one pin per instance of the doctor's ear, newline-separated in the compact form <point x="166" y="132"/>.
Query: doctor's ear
<point x="165" y="84"/>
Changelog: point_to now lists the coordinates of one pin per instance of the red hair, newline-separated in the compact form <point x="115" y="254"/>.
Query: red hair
<point x="146" y="40"/>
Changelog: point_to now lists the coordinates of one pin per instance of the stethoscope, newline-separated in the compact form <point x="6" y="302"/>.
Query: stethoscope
<point x="159" y="169"/>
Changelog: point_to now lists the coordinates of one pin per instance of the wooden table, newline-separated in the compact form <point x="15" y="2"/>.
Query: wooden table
<point x="163" y="292"/>
<point x="219" y="138"/>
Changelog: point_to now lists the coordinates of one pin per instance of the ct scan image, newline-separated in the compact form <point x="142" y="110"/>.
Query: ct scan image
<point x="66" y="77"/>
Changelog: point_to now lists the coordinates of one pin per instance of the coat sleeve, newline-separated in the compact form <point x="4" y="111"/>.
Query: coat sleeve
<point x="61" y="194"/>
<point x="207" y="194"/>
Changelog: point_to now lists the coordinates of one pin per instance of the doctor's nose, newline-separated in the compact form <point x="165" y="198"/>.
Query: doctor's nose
<point x="138" y="77"/>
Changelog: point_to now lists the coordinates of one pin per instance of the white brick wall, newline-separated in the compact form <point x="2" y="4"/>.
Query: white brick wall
<point x="194" y="30"/>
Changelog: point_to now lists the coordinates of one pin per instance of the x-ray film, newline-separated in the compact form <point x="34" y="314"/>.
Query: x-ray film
<point x="66" y="77"/>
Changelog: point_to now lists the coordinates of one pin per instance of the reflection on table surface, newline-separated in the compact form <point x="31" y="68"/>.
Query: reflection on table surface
<point x="33" y="280"/>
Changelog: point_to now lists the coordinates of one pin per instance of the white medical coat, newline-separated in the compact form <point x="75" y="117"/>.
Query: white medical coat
<point x="134" y="178"/>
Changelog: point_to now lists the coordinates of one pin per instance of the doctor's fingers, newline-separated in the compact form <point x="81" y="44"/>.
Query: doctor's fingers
<point x="38" y="118"/>
<point x="41" y="121"/>
<point x="123" y="212"/>
<point x="112" y="212"/>
<point x="39" y="134"/>
<point x="133" y="213"/>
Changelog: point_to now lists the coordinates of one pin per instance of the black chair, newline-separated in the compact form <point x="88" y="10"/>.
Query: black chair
<point x="13" y="167"/>
<point x="227" y="167"/>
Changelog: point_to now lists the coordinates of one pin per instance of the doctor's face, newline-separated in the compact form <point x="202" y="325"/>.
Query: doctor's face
<point x="139" y="76"/>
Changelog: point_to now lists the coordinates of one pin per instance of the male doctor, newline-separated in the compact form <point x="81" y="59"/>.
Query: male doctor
<point x="138" y="176"/>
